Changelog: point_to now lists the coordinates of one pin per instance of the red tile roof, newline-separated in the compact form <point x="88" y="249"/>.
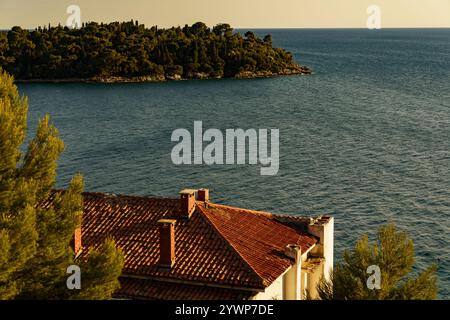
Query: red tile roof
<point x="217" y="245"/>
<point x="257" y="237"/>
<point x="163" y="290"/>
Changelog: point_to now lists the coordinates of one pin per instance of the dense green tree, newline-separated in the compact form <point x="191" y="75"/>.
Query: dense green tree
<point x="250" y="36"/>
<point x="128" y="49"/>
<point x="268" y="39"/>
<point x="223" y="29"/>
<point x="393" y="253"/>
<point x="35" y="240"/>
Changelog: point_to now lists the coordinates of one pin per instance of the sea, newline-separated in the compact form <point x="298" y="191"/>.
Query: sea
<point x="365" y="138"/>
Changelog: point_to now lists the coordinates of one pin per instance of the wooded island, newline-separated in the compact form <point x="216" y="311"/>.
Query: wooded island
<point x="130" y="52"/>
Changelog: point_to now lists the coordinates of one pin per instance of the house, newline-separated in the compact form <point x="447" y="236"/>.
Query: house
<point x="192" y="248"/>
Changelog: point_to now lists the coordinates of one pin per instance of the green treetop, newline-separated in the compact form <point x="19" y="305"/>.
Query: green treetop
<point x="35" y="246"/>
<point x="393" y="254"/>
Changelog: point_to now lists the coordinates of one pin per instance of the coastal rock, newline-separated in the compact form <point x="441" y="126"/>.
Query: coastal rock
<point x="291" y="70"/>
<point x="174" y="77"/>
<point x="113" y="79"/>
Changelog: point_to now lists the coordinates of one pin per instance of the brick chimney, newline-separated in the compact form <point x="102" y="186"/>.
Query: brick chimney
<point x="166" y="242"/>
<point x="76" y="241"/>
<point x="187" y="202"/>
<point x="203" y="195"/>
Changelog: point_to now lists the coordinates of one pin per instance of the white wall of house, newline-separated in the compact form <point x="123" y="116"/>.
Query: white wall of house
<point x="313" y="278"/>
<point x="272" y="292"/>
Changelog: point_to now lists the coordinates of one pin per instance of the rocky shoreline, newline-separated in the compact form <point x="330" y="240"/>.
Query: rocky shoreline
<point x="293" y="70"/>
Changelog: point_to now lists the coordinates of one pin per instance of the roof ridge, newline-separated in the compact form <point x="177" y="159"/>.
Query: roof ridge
<point x="232" y="246"/>
<point x="272" y="216"/>
<point x="257" y="212"/>
<point x="276" y="217"/>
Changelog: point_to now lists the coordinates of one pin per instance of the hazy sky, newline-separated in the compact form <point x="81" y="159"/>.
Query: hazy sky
<point x="239" y="13"/>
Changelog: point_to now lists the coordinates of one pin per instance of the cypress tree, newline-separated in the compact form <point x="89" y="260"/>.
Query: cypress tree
<point x="35" y="246"/>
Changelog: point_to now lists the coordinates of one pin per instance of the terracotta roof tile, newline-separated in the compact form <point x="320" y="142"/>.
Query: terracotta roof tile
<point x="163" y="290"/>
<point x="201" y="254"/>
<point x="258" y="237"/>
<point x="217" y="245"/>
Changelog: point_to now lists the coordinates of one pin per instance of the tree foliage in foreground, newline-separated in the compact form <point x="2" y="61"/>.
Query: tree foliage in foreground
<point x="35" y="246"/>
<point x="129" y="49"/>
<point x="393" y="253"/>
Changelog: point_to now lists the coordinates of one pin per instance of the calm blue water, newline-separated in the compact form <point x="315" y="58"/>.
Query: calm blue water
<point x="366" y="138"/>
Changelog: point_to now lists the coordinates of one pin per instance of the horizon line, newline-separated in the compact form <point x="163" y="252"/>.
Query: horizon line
<point x="255" y="28"/>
